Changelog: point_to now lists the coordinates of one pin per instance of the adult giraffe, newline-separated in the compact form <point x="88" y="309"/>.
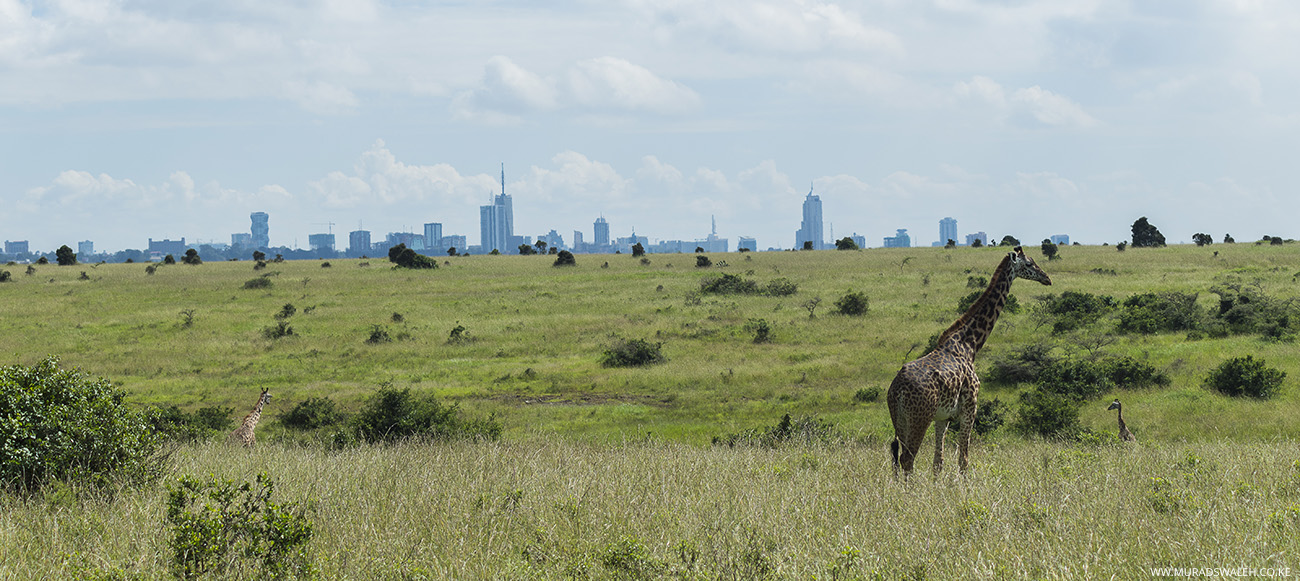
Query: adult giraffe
<point x="244" y="433"/>
<point x="942" y="386"/>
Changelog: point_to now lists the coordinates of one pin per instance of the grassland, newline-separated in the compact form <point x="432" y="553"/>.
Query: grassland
<point x="653" y="510"/>
<point x="601" y="473"/>
<point x="538" y="332"/>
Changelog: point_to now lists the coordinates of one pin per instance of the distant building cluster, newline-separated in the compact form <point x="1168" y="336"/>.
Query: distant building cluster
<point x="497" y="234"/>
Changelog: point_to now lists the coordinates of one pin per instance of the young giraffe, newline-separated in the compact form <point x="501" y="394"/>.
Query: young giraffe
<point x="941" y="386"/>
<point x="1124" y="434"/>
<point x="244" y="433"/>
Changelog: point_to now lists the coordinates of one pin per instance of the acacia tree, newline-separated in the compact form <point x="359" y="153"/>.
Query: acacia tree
<point x="65" y="256"/>
<point x="1202" y="239"/>
<point x="846" y="243"/>
<point x="1146" y="235"/>
<point x="1049" y="249"/>
<point x="1009" y="240"/>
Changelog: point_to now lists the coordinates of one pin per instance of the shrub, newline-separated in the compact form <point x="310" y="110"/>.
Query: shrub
<point x="702" y="261"/>
<point x="379" y="334"/>
<point x="312" y="413"/>
<point x="633" y="353"/>
<point x="59" y="424"/>
<point x="780" y="287"/>
<point x="1247" y="309"/>
<point x="1047" y="414"/>
<point x="149" y="270"/>
<point x="259" y="256"/>
<point x="638" y="250"/>
<point x="1072" y="310"/>
<point x="42" y="261"/>
<point x="192" y="257"/>
<point x="526" y="249"/>
<point x="278" y="330"/>
<point x="564" y="258"/>
<point x="5" y="276"/>
<point x="405" y="257"/>
<point x="459" y="335"/>
<point x="325" y="264"/>
<point x="762" y="330"/>
<point x="261" y="282"/>
<point x="853" y="304"/>
<point x="799" y="431"/>
<point x="867" y="395"/>
<point x="1024" y="364"/>
<point x="846" y="243"/>
<point x="1148" y="313"/>
<point x="394" y="414"/>
<point x="286" y="311"/>
<point x="1246" y="376"/>
<point x="176" y="424"/>
<point x="990" y="416"/>
<point x="727" y="284"/>
<point x="65" y="256"/>
<point x="221" y="527"/>
<point x="169" y="259"/>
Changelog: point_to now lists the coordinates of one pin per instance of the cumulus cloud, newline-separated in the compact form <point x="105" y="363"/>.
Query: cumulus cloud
<point x="379" y="179"/>
<point x="1031" y="105"/>
<point x="508" y="91"/>
<point x="774" y="26"/>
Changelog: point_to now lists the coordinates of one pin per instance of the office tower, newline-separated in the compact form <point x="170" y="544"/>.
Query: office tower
<point x="947" y="231"/>
<point x="261" y="230"/>
<point x="810" y="229"/>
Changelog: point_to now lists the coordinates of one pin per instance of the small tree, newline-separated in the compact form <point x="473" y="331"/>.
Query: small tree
<point x="853" y="304"/>
<point x="703" y="261"/>
<point x="564" y="258"/>
<point x="1049" y="249"/>
<point x="541" y="246"/>
<point x="526" y="250"/>
<point x="1202" y="239"/>
<point x="258" y="255"/>
<point x="65" y="256"/>
<point x="807" y="245"/>
<point x="977" y="243"/>
<point x="638" y="250"/>
<point x="1146" y="235"/>
<point x="1121" y="246"/>
<point x="1009" y="240"/>
<point x="169" y="259"/>
<point x="1246" y="376"/>
<point x="405" y="257"/>
<point x="192" y="257"/>
<point x="846" y="243"/>
<point x="1227" y="239"/>
<point x="451" y="251"/>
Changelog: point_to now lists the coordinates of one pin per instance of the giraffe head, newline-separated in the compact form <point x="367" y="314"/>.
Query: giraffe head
<point x="1114" y="405"/>
<point x="266" y="396"/>
<point x="1023" y="267"/>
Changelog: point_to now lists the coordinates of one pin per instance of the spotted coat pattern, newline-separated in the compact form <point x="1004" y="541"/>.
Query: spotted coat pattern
<point x="244" y="433"/>
<point x="941" y="386"/>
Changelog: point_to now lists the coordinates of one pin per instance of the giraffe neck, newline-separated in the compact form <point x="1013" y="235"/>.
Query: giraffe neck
<point x="252" y="418"/>
<point x="1119" y="413"/>
<point x="973" y="327"/>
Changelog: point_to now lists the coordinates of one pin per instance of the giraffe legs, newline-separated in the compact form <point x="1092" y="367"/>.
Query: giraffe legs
<point x="940" y="430"/>
<point x="967" y="424"/>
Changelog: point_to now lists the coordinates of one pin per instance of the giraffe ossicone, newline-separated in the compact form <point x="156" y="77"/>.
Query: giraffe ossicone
<point x="941" y="386"/>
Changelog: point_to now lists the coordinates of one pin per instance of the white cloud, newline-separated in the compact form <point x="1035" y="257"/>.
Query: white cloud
<point x="378" y="179"/>
<point x="780" y="26"/>
<point x="613" y="83"/>
<point x="1032" y="105"/>
<point x="321" y="98"/>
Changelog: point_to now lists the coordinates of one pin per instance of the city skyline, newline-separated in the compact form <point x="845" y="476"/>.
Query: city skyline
<point x="1028" y="118"/>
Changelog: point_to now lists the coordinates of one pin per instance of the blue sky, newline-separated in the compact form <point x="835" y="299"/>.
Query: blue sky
<point x="127" y="120"/>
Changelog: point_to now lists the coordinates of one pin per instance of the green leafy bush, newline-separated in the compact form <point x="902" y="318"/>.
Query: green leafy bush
<point x="1047" y="414"/>
<point x="394" y="414"/>
<point x="633" y="353"/>
<point x="278" y="330"/>
<point x="780" y="287"/>
<point x="1246" y="376"/>
<point x="565" y="258"/>
<point x="990" y="416"/>
<point x="1248" y="309"/>
<point x="1148" y="313"/>
<point x="192" y="257"/>
<point x="853" y="304"/>
<point x="235" y="530"/>
<point x="702" y="261"/>
<point x="379" y="334"/>
<point x="312" y="413"/>
<point x="405" y="257"/>
<point x="762" y="330"/>
<point x="1021" y="365"/>
<point x="1071" y="310"/>
<point x="867" y="395"/>
<point x="261" y="282"/>
<point x="59" y="424"/>
<point x="176" y="424"/>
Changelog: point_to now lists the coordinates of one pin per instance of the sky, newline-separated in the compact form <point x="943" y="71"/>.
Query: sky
<point x="126" y="120"/>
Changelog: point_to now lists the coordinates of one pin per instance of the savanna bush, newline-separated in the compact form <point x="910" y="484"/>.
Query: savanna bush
<point x="235" y="531"/>
<point x="395" y="414"/>
<point x="312" y="413"/>
<point x="1023" y="364"/>
<point x="177" y="424"/>
<point x="1047" y="414"/>
<point x="564" y="258"/>
<point x="1071" y="310"/>
<point x="1148" y="313"/>
<point x="261" y="282"/>
<point x="1248" y="309"/>
<point x="1246" y="376"/>
<point x="702" y="261"/>
<point x="633" y="353"/>
<point x="991" y="415"/>
<point x="867" y="395"/>
<point x="853" y="304"/>
<point x="60" y="424"/>
<point x="405" y="257"/>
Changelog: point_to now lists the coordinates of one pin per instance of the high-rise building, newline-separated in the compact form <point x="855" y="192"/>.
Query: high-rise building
<point x="321" y="242"/>
<point x="578" y="246"/>
<point x="899" y="240"/>
<point x="602" y="232"/>
<point x="433" y="237"/>
<point x="1062" y="239"/>
<point x="747" y="243"/>
<point x="810" y="229"/>
<point x="497" y="221"/>
<point x="947" y="231"/>
<point x="358" y="242"/>
<point x="16" y="247"/>
<point x="261" y="230"/>
<point x="85" y="249"/>
<point x="241" y="240"/>
<point x="166" y="246"/>
<point x="981" y="236"/>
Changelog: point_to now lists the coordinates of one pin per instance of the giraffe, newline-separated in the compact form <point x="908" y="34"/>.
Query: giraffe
<point x="1124" y="434"/>
<point x="941" y="386"/>
<point x="244" y="433"/>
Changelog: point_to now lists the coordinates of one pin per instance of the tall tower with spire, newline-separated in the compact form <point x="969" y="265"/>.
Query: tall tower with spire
<point x="810" y="230"/>
<point x="497" y="220"/>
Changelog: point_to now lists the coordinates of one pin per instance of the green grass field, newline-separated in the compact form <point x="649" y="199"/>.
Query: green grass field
<point x="538" y="333"/>
<point x="605" y="473"/>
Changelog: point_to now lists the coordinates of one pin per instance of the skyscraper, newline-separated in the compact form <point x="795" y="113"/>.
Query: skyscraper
<point x="497" y="221"/>
<point x="947" y="231"/>
<point x="810" y="229"/>
<point x="358" y="242"/>
<point x="261" y="230"/>
<point x="602" y="232"/>
<point x="433" y="237"/>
